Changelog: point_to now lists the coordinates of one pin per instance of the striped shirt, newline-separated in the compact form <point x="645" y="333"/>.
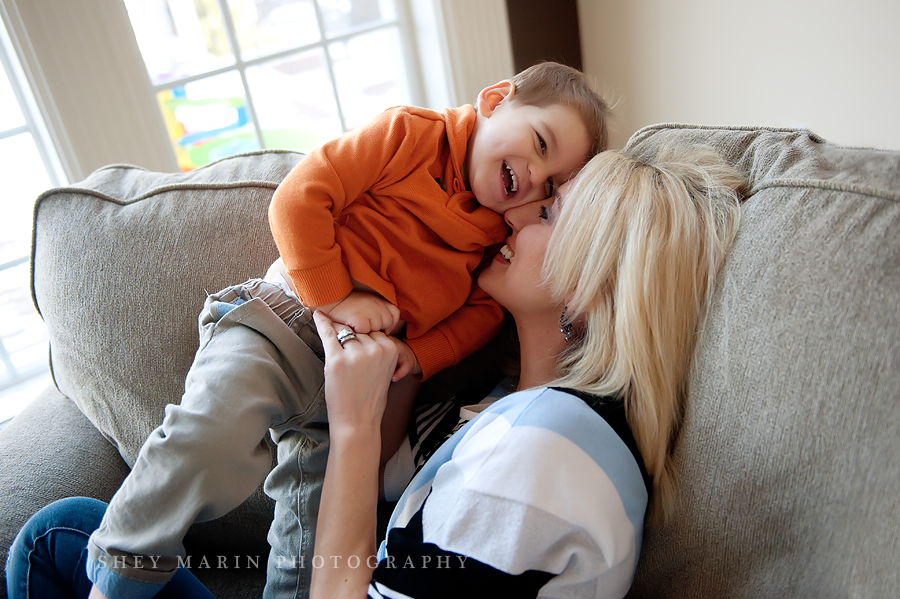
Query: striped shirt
<point x="543" y="494"/>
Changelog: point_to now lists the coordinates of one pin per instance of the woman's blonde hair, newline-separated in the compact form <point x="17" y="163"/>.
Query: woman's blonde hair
<point x="634" y="255"/>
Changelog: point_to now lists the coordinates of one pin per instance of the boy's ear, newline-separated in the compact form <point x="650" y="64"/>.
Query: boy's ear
<point x="491" y="96"/>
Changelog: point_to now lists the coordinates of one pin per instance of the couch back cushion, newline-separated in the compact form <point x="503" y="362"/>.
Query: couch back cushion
<point x="121" y="265"/>
<point x="788" y="457"/>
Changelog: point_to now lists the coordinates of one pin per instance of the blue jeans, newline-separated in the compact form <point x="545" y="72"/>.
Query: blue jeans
<point x="47" y="558"/>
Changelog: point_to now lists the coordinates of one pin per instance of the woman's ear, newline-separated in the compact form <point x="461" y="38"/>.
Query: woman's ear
<point x="576" y="323"/>
<point x="490" y="97"/>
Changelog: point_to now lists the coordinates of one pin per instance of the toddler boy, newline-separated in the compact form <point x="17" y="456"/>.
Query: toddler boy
<point x="382" y="228"/>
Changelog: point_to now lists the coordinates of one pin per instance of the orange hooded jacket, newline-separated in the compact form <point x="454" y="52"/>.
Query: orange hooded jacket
<point x="387" y="205"/>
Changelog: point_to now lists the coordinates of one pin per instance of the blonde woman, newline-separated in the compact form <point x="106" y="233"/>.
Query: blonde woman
<point x="635" y="258"/>
<point x="545" y="491"/>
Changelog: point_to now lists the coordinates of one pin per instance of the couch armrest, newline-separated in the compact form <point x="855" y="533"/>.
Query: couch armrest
<point x="47" y="452"/>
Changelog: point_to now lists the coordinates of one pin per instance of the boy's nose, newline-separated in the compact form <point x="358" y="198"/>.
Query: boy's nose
<point x="537" y="174"/>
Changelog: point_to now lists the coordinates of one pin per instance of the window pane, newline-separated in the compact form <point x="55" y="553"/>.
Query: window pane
<point x="266" y="26"/>
<point x="23" y="337"/>
<point x="370" y="74"/>
<point x="21" y="329"/>
<point x="208" y="119"/>
<point x="179" y="38"/>
<point x="294" y="101"/>
<point x="343" y="16"/>
<point x="10" y="113"/>
<point x="24" y="178"/>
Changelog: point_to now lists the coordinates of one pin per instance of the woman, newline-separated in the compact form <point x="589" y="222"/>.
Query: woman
<point x="544" y="493"/>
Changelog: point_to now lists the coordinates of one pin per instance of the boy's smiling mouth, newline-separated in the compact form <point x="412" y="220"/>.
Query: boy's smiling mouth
<point x="511" y="185"/>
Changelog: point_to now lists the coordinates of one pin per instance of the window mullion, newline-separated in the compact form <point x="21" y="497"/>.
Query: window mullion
<point x="240" y="67"/>
<point x="14" y="262"/>
<point x="410" y="53"/>
<point x="362" y="30"/>
<point x="329" y="67"/>
<point x="15" y="131"/>
<point x="6" y="360"/>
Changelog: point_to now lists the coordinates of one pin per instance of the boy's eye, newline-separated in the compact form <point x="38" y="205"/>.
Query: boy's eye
<point x="542" y="143"/>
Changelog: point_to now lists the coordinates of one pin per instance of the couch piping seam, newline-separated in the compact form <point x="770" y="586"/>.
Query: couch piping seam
<point x="154" y="191"/>
<point x="828" y="185"/>
<point x="749" y="128"/>
<point x="107" y="198"/>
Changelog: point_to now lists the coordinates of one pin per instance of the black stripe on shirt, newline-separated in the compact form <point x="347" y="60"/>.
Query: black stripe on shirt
<point x="420" y="569"/>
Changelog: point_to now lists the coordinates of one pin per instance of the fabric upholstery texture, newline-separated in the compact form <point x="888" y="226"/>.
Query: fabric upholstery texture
<point x="788" y="455"/>
<point x="47" y="452"/>
<point x="122" y="264"/>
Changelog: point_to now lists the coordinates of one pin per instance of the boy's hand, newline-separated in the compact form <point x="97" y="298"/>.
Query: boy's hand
<point x="406" y="361"/>
<point x="364" y="312"/>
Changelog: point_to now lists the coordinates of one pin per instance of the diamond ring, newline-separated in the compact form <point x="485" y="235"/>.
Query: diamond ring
<point x="345" y="335"/>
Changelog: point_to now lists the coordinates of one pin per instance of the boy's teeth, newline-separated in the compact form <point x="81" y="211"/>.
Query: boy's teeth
<point x="514" y="186"/>
<point x="507" y="253"/>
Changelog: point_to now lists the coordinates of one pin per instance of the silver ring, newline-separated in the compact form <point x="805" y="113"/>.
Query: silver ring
<point x="345" y="335"/>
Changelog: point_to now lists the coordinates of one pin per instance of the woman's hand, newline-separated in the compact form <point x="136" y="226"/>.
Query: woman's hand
<point x="357" y="375"/>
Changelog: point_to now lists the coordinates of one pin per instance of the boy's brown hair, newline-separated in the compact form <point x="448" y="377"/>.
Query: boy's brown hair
<point x="549" y="83"/>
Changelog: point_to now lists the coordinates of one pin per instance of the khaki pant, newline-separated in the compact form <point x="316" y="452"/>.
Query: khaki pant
<point x="259" y="368"/>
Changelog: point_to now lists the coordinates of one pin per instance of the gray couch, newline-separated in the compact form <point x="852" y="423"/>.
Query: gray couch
<point x="789" y="475"/>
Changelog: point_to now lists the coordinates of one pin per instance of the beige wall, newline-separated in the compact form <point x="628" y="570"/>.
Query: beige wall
<point x="828" y="65"/>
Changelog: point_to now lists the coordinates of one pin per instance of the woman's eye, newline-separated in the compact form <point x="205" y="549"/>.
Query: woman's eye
<point x="545" y="214"/>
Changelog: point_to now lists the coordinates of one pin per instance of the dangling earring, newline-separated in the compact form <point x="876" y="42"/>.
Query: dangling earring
<point x="565" y="327"/>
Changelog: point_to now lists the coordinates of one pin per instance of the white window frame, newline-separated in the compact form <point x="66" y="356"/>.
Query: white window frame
<point x="240" y="65"/>
<point x="34" y="124"/>
<point x="35" y="128"/>
<point x="85" y="92"/>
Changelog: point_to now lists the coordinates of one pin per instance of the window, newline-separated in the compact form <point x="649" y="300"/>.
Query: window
<point x="365" y="51"/>
<point x="27" y="168"/>
<point x="233" y="76"/>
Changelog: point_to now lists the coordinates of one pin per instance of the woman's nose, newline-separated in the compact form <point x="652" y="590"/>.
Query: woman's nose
<point x="521" y="216"/>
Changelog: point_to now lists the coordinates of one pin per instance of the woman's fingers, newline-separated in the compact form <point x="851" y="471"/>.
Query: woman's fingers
<point x="363" y="363"/>
<point x="327" y="333"/>
<point x="332" y="334"/>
